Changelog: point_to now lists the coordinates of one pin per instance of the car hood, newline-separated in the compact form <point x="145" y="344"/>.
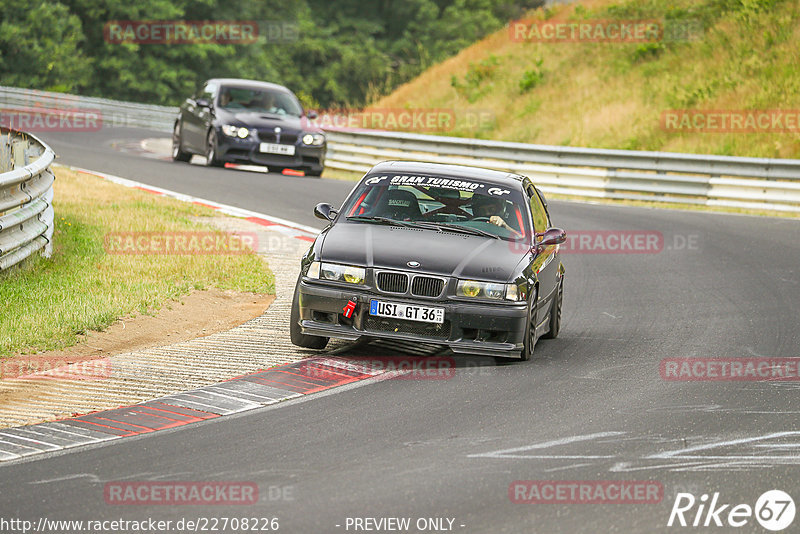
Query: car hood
<point x="442" y="253"/>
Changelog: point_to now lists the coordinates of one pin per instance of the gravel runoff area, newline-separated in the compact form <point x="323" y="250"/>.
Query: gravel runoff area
<point x="138" y="376"/>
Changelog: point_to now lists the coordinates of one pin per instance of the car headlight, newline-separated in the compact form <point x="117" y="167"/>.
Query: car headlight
<point x="315" y="139"/>
<point x="235" y="131"/>
<point x="336" y="272"/>
<point x="487" y="290"/>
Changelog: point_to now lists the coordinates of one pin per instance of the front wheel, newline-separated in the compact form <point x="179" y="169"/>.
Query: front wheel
<point x="296" y="335"/>
<point x="212" y="160"/>
<point x="177" y="145"/>
<point x="555" y="313"/>
<point x="530" y="329"/>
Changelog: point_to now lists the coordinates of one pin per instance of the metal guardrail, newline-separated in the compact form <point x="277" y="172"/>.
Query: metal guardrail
<point x="755" y="183"/>
<point x="15" y="102"/>
<point x="26" y="197"/>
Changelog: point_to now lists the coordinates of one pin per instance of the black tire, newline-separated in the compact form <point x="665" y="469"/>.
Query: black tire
<point x="530" y="330"/>
<point x="211" y="150"/>
<point x="178" y="153"/>
<point x="555" y="312"/>
<point x="315" y="174"/>
<point x="297" y="337"/>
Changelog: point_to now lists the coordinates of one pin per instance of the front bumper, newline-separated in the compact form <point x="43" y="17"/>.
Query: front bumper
<point x="235" y="150"/>
<point x="471" y="328"/>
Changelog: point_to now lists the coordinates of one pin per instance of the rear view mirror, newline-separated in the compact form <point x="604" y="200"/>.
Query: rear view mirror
<point x="312" y="115"/>
<point x="550" y="237"/>
<point x="325" y="211"/>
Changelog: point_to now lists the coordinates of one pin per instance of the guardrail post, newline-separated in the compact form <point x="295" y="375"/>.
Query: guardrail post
<point x="18" y="151"/>
<point x="6" y="163"/>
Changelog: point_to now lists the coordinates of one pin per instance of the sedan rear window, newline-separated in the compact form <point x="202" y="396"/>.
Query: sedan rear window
<point x="452" y="202"/>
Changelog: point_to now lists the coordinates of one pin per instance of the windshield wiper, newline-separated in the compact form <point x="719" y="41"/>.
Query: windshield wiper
<point x="458" y="228"/>
<point x="424" y="224"/>
<point x="380" y="220"/>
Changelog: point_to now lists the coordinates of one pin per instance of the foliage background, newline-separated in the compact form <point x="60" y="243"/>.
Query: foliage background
<point x="348" y="52"/>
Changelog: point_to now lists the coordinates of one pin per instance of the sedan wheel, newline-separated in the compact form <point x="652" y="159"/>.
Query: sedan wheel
<point x="555" y="313"/>
<point x="211" y="150"/>
<point x="177" y="145"/>
<point x="530" y="330"/>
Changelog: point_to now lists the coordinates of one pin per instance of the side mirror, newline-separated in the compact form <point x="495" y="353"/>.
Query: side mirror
<point x="325" y="211"/>
<point x="203" y="103"/>
<point x="550" y="237"/>
<point x="312" y="115"/>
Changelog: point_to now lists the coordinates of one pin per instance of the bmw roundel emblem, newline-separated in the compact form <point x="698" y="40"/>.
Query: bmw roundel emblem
<point x="413" y="264"/>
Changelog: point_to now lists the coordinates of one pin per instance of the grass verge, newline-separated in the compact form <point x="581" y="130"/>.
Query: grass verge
<point x="48" y="303"/>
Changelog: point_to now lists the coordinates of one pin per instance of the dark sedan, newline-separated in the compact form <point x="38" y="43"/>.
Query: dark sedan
<point x="443" y="254"/>
<point x="249" y="122"/>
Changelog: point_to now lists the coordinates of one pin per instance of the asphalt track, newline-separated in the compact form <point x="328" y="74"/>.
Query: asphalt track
<point x="592" y="405"/>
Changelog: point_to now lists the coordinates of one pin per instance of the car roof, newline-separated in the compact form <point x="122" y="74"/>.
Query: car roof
<point x="455" y="171"/>
<point x="251" y="84"/>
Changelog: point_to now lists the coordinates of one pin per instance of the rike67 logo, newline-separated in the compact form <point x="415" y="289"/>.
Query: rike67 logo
<point x="774" y="510"/>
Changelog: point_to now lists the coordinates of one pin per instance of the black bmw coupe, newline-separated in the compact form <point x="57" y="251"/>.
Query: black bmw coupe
<point x="247" y="121"/>
<point x="443" y="254"/>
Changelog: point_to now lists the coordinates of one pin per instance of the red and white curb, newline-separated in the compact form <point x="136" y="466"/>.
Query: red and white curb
<point x="248" y="392"/>
<point x="257" y="388"/>
<point x="288" y="228"/>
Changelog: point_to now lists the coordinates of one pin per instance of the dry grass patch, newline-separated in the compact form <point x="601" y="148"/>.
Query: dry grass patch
<point x="611" y="95"/>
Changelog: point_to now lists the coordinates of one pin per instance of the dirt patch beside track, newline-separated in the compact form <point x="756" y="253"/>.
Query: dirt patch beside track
<point x="201" y="313"/>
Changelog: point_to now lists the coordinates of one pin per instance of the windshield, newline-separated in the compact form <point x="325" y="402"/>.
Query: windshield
<point x="444" y="203"/>
<point x="259" y="101"/>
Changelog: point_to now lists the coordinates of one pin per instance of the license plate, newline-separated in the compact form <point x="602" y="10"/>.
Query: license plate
<point x="409" y="312"/>
<point x="275" y="148"/>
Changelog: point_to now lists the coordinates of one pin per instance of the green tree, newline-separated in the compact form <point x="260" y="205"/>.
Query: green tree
<point x="40" y="46"/>
<point x="346" y="53"/>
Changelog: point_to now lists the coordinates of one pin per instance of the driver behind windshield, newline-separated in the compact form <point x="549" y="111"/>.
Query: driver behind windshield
<point x="257" y="101"/>
<point x="267" y="103"/>
<point x="492" y="209"/>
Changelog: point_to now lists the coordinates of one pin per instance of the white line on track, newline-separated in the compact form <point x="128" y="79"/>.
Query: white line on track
<point x="509" y="453"/>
